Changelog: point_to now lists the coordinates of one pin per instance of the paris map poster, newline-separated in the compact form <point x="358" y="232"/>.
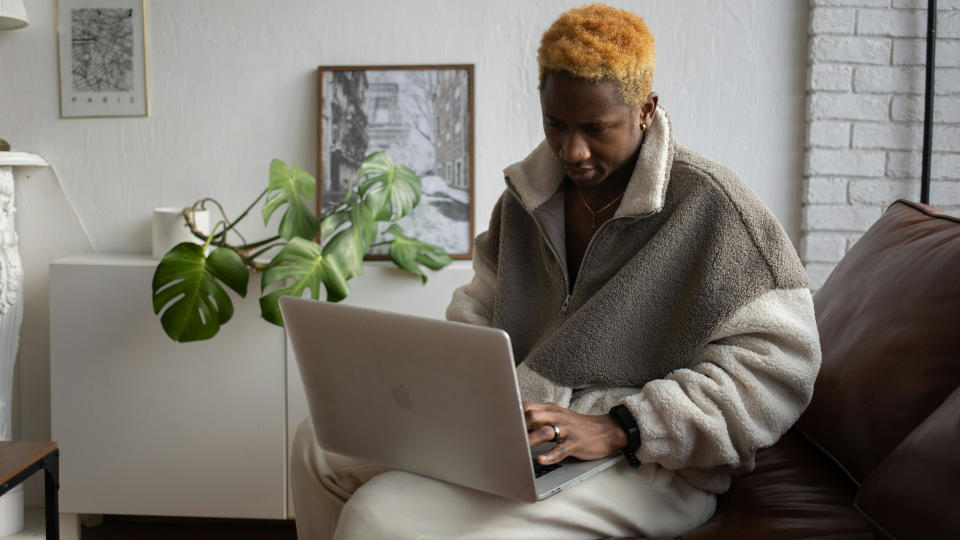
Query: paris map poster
<point x="103" y="68"/>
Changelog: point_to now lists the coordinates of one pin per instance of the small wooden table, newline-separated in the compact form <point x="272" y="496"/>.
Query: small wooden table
<point x="19" y="460"/>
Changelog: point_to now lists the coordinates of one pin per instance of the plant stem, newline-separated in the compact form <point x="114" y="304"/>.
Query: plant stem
<point x="247" y="247"/>
<point x="259" y="267"/>
<point x="247" y="211"/>
<point x="223" y="236"/>
<point x="250" y="259"/>
<point x="212" y="234"/>
<point x="188" y="214"/>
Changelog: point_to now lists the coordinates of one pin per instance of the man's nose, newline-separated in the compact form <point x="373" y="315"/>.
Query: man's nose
<point x="574" y="149"/>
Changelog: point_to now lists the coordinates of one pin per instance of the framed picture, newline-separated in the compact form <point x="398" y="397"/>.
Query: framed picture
<point x="422" y="117"/>
<point x="102" y="50"/>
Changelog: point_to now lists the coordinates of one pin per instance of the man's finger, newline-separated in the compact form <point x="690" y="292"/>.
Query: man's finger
<point x="541" y="434"/>
<point x="534" y="406"/>
<point x="557" y="453"/>
<point x="537" y="418"/>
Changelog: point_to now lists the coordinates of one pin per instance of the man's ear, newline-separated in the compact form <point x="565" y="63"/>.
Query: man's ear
<point x="649" y="108"/>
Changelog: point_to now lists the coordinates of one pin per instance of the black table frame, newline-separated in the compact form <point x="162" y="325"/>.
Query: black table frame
<point x="50" y="463"/>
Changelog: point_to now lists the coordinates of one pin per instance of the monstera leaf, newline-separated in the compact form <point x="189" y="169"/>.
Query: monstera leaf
<point x="390" y="192"/>
<point x="350" y="244"/>
<point x="189" y="285"/>
<point x="293" y="188"/>
<point x="409" y="253"/>
<point x="300" y="265"/>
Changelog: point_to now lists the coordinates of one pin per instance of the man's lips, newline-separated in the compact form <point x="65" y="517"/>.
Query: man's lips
<point x="580" y="173"/>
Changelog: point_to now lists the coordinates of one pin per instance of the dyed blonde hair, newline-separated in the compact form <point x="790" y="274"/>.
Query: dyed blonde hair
<point x="600" y="43"/>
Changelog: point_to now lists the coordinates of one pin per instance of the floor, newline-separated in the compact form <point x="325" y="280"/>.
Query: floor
<point x="151" y="528"/>
<point x="125" y="527"/>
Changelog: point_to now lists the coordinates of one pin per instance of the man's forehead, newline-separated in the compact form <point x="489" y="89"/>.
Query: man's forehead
<point x="592" y="98"/>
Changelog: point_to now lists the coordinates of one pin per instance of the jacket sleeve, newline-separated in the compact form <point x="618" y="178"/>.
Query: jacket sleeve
<point x="750" y="383"/>
<point x="747" y="386"/>
<point x="473" y="303"/>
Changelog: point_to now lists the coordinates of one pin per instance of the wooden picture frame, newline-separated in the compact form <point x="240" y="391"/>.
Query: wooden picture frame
<point x="422" y="117"/>
<point x="101" y="46"/>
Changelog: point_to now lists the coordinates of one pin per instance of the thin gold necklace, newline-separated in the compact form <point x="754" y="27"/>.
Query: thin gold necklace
<point x="593" y="214"/>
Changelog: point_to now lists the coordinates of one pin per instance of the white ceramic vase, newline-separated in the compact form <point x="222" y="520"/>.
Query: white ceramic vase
<point x="170" y="229"/>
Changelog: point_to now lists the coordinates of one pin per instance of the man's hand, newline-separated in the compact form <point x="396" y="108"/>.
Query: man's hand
<point x="582" y="436"/>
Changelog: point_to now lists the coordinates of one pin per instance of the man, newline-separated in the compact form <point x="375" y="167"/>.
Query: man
<point x="654" y="305"/>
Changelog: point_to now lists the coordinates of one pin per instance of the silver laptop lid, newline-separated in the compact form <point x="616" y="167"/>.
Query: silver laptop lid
<point x="427" y="396"/>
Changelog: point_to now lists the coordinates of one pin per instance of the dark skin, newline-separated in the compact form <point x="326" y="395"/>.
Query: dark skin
<point x="597" y="138"/>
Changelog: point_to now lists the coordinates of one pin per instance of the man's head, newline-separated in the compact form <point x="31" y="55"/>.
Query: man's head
<point x="600" y="43"/>
<point x="596" y="67"/>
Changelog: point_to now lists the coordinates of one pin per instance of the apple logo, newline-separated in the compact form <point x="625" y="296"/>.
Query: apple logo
<point x="401" y="396"/>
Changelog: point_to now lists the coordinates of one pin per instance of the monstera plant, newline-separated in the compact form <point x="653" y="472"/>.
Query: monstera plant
<point x="314" y="253"/>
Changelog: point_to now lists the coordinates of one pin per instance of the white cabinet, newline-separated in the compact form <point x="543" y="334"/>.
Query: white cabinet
<point x="147" y="426"/>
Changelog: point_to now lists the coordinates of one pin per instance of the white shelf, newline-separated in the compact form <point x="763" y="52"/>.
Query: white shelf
<point x="100" y="259"/>
<point x="21" y="159"/>
<point x="147" y="426"/>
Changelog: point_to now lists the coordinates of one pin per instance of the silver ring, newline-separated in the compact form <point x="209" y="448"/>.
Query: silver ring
<point x="556" y="433"/>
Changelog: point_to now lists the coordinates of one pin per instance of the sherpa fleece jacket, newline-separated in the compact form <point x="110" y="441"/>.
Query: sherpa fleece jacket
<point x="690" y="307"/>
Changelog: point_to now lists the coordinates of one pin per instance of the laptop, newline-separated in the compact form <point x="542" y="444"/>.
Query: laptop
<point x="427" y="396"/>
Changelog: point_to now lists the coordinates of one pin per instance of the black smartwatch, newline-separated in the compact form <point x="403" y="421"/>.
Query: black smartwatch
<point x="622" y="415"/>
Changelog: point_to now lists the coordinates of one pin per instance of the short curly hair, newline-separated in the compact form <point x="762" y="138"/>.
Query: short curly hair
<point x="601" y="43"/>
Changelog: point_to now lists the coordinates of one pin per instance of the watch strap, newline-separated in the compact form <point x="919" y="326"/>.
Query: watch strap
<point x="622" y="415"/>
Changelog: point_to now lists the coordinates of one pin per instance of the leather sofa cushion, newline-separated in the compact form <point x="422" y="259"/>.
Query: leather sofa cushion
<point x="794" y="492"/>
<point x="888" y="320"/>
<point x="913" y="493"/>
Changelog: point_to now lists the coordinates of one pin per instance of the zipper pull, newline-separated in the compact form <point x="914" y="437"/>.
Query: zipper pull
<point x="565" y="306"/>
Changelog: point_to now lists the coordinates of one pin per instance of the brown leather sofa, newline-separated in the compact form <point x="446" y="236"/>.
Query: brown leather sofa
<point x="877" y="453"/>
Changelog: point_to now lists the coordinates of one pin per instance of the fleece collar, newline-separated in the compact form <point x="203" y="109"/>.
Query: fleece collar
<point x="540" y="175"/>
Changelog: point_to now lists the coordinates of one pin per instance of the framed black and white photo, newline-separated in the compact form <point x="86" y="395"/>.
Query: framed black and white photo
<point x="422" y="117"/>
<point x="102" y="50"/>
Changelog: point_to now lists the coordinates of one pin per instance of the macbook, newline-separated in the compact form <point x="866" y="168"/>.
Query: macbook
<point x="427" y="396"/>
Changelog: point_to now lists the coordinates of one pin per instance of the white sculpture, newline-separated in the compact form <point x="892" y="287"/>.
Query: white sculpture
<point x="11" y="315"/>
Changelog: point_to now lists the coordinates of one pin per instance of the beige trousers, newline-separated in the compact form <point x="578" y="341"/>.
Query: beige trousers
<point x="335" y="496"/>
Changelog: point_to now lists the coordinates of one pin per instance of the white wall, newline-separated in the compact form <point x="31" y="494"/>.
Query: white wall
<point x="233" y="84"/>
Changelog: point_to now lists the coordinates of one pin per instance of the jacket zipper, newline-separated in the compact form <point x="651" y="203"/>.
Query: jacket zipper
<point x="568" y="294"/>
<point x="586" y="252"/>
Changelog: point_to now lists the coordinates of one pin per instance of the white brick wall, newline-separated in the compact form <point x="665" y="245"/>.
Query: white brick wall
<point x="865" y="119"/>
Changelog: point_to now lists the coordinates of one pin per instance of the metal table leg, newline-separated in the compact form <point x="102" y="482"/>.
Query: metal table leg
<point x="51" y="475"/>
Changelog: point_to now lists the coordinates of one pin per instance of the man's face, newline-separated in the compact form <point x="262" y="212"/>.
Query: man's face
<point x="590" y="129"/>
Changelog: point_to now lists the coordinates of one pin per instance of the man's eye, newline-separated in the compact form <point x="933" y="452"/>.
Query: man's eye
<point x="553" y="124"/>
<point x="596" y="130"/>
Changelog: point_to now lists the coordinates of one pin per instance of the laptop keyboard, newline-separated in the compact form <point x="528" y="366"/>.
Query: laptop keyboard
<point x="540" y="470"/>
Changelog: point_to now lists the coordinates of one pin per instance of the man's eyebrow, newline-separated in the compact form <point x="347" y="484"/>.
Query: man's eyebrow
<point x="603" y="122"/>
<point x="592" y="123"/>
